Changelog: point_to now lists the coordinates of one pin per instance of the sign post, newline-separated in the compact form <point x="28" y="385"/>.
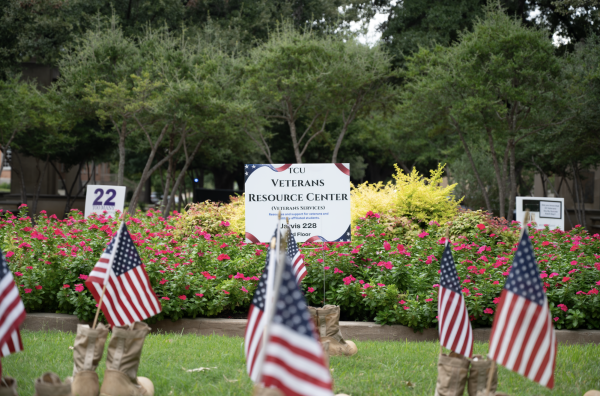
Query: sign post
<point x="543" y="211"/>
<point x="104" y="198"/>
<point x="315" y="198"/>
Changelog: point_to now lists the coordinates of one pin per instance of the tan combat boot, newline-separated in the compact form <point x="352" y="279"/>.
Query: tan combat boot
<point x="478" y="377"/>
<point x="8" y="386"/>
<point x="259" y="390"/>
<point x="327" y="320"/>
<point x="87" y="352"/>
<point x="122" y="362"/>
<point x="49" y="384"/>
<point x="452" y="375"/>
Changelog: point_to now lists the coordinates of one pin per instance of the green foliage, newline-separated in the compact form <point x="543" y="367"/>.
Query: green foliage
<point x="411" y="196"/>
<point x="500" y="85"/>
<point x="307" y="81"/>
<point x="387" y="276"/>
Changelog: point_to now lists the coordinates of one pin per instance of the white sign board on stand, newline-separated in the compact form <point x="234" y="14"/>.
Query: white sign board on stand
<point x="100" y="198"/>
<point x="315" y="198"/>
<point x="543" y="211"/>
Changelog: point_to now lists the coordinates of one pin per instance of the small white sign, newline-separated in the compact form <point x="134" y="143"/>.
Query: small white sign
<point x="544" y="211"/>
<point x="550" y="210"/>
<point x="315" y="198"/>
<point x="104" y="200"/>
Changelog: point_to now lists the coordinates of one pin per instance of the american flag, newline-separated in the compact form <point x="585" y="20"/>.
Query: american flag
<point x="129" y="297"/>
<point x="522" y="337"/>
<point x="296" y="257"/>
<point x="454" y="325"/>
<point x="12" y="312"/>
<point x="255" y="326"/>
<point x="294" y="360"/>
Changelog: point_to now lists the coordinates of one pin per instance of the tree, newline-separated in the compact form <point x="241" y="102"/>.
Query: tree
<point x="101" y="70"/>
<point x="501" y="83"/>
<point x="307" y="81"/>
<point x="413" y="24"/>
<point x="22" y="107"/>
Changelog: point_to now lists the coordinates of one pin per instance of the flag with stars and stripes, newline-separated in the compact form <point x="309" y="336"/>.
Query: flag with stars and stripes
<point x="255" y="326"/>
<point x="129" y="296"/>
<point x="12" y="312"/>
<point x="454" y="324"/>
<point x="522" y="337"/>
<point x="294" y="360"/>
<point x="297" y="260"/>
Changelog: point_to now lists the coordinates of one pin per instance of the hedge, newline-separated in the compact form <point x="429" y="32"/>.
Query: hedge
<point x="389" y="273"/>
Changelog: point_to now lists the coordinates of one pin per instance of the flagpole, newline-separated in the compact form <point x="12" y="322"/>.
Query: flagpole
<point x="107" y="275"/>
<point x="446" y="244"/>
<point x="278" y="275"/>
<point x="493" y="365"/>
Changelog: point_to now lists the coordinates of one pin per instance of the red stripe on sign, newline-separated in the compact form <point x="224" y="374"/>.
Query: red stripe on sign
<point x="284" y="167"/>
<point x="252" y="238"/>
<point x="344" y="170"/>
<point x="315" y="239"/>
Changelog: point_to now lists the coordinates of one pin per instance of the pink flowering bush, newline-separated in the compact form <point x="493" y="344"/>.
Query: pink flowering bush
<point x="385" y="275"/>
<point x="200" y="274"/>
<point x="483" y="249"/>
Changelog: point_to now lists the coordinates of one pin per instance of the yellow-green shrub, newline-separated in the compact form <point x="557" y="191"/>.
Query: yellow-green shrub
<point x="413" y="196"/>
<point x="211" y="217"/>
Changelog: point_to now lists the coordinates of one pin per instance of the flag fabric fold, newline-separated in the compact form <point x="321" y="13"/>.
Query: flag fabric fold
<point x="296" y="258"/>
<point x="454" y="328"/>
<point x="129" y="296"/>
<point x="523" y="338"/>
<point x="294" y="360"/>
<point x="255" y="326"/>
<point x="12" y="312"/>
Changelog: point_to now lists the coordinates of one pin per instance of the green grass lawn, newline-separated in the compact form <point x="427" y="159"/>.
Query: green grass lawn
<point x="379" y="368"/>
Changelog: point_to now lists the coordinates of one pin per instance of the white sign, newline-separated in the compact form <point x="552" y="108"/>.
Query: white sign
<point x="543" y="211"/>
<point x="550" y="210"/>
<point x="315" y="198"/>
<point x="104" y="198"/>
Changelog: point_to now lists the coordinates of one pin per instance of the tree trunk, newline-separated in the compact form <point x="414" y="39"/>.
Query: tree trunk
<point x="69" y="193"/>
<point x="180" y="177"/>
<point x="295" y="144"/>
<point x="149" y="169"/>
<point x="479" y="182"/>
<point x="353" y="111"/>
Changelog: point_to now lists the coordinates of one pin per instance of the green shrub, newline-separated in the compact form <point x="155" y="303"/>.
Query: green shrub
<point x="413" y="196"/>
<point x="388" y="273"/>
